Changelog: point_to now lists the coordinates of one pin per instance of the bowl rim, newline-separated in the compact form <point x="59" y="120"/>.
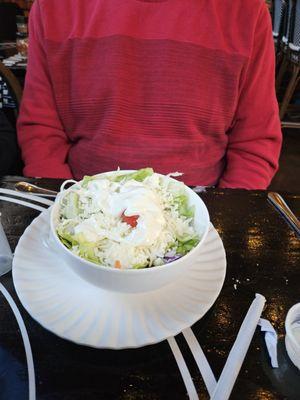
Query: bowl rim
<point x="288" y="323"/>
<point x="128" y="270"/>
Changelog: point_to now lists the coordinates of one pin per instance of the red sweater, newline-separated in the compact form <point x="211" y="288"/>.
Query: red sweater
<point x="178" y="85"/>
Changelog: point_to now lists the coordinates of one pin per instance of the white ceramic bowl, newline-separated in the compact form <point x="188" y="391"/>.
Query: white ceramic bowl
<point x="132" y="280"/>
<point x="292" y="337"/>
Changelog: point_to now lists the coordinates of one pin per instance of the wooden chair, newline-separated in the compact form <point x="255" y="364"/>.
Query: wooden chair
<point x="293" y="61"/>
<point x="279" y="11"/>
<point x="15" y="91"/>
<point x="14" y="87"/>
<point x="283" y="10"/>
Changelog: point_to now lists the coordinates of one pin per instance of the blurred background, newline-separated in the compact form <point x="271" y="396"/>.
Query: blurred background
<point x="285" y="16"/>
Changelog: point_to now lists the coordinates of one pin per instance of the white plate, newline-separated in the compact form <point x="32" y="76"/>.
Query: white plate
<point x="75" y="310"/>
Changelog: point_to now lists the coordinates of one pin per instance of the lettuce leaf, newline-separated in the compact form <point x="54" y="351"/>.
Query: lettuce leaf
<point x="86" y="180"/>
<point x="139" y="266"/>
<point x="139" y="175"/>
<point x="70" y="205"/>
<point x="184" y="246"/>
<point x="182" y="203"/>
<point x="66" y="236"/>
<point x="87" y="250"/>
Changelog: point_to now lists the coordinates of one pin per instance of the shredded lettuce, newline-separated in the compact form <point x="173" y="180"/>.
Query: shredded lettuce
<point x="84" y="248"/>
<point x="66" y="242"/>
<point x="86" y="180"/>
<point x="66" y="236"/>
<point x="139" y="266"/>
<point x="184" y="247"/>
<point x="70" y="207"/>
<point x="88" y="227"/>
<point x="184" y="209"/>
<point x="87" y="251"/>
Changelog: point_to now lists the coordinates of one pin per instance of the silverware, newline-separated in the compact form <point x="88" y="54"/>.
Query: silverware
<point x="29" y="187"/>
<point x="286" y="212"/>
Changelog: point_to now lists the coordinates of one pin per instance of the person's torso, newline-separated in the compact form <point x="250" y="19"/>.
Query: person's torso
<point x="148" y="83"/>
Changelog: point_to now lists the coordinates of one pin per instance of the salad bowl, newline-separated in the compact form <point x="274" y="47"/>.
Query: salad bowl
<point x="131" y="280"/>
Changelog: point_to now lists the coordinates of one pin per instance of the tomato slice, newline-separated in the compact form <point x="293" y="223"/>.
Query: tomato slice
<point x="130" y="219"/>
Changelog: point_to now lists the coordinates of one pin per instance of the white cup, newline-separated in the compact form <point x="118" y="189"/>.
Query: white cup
<point x="292" y="337"/>
<point x="5" y="252"/>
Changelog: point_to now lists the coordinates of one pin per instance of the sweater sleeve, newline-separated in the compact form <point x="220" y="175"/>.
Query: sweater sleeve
<point x="254" y="141"/>
<point x="42" y="139"/>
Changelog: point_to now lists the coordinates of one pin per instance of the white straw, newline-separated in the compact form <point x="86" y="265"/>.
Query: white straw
<point x="201" y="360"/>
<point x="26" y="196"/>
<point x="41" y="195"/>
<point x="239" y="350"/>
<point x="22" y="203"/>
<point x="28" y="352"/>
<point x="189" y="384"/>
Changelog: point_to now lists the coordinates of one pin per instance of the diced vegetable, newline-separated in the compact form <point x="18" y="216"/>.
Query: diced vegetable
<point x="131" y="220"/>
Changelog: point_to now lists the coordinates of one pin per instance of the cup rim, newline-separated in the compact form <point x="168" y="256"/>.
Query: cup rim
<point x="288" y="322"/>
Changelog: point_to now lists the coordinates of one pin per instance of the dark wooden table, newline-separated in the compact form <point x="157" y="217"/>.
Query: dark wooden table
<point x="263" y="257"/>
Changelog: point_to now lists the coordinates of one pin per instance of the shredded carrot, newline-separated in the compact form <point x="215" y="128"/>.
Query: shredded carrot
<point x="117" y="264"/>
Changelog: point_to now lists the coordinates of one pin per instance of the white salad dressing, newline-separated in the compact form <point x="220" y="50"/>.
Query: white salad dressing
<point x="135" y="199"/>
<point x="89" y="228"/>
<point x="131" y="198"/>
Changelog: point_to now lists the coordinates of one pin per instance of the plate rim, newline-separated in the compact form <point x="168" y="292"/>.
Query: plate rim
<point x="114" y="347"/>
